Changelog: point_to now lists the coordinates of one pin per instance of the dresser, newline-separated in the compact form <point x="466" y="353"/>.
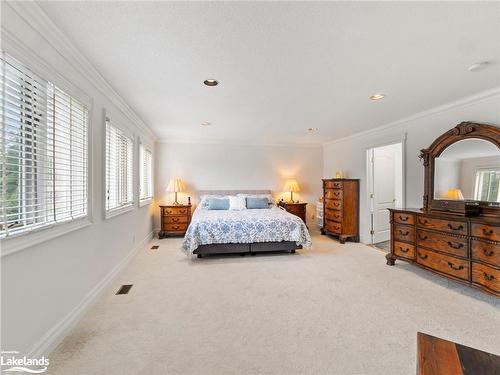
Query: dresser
<point x="298" y="209"/>
<point x="174" y="220"/>
<point x="341" y="208"/>
<point x="466" y="249"/>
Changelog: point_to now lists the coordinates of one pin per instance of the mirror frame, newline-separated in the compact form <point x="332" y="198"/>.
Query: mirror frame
<point x="464" y="130"/>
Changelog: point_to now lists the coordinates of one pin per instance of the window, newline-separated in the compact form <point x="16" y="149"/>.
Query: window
<point x="43" y="143"/>
<point x="119" y="170"/>
<point x="146" y="175"/>
<point x="487" y="186"/>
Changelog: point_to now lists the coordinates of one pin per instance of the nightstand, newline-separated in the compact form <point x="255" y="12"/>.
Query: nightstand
<point x="298" y="209"/>
<point x="174" y="220"/>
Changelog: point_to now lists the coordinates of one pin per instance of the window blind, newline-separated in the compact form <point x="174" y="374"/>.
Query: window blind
<point x="146" y="173"/>
<point x="119" y="168"/>
<point x="43" y="151"/>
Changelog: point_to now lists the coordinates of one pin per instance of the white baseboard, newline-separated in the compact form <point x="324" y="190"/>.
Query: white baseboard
<point x="56" y="334"/>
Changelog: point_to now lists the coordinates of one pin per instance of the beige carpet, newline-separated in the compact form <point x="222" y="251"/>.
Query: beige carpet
<point x="336" y="309"/>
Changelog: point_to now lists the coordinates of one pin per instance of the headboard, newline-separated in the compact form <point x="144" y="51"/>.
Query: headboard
<point x="231" y="192"/>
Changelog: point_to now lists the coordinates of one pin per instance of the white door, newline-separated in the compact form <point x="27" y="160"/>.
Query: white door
<point x="384" y="191"/>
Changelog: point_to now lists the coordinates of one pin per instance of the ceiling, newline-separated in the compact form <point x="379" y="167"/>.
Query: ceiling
<point x="284" y="67"/>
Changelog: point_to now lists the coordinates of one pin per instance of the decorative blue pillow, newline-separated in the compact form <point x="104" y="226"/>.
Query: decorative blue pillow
<point x="253" y="203"/>
<point x="218" y="203"/>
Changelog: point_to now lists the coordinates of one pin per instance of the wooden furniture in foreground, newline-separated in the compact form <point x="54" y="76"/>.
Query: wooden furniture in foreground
<point x="441" y="237"/>
<point x="441" y="357"/>
<point x="298" y="209"/>
<point x="174" y="220"/>
<point x="341" y="208"/>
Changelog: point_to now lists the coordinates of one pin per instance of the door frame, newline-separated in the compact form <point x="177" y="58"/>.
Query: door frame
<point x="369" y="177"/>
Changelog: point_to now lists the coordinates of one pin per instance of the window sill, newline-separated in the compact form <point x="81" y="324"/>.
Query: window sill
<point x="118" y="211"/>
<point x="145" y="202"/>
<point x="24" y="240"/>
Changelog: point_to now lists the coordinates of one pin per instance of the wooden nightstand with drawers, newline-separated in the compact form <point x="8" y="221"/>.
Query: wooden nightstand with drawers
<point x="174" y="220"/>
<point x="298" y="209"/>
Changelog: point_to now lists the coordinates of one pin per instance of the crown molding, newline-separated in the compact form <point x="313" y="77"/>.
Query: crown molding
<point x="236" y="143"/>
<point x="476" y="98"/>
<point x="39" y="21"/>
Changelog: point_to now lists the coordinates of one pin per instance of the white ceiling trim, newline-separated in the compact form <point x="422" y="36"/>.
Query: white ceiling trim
<point x="232" y="143"/>
<point x="484" y="95"/>
<point x="40" y="22"/>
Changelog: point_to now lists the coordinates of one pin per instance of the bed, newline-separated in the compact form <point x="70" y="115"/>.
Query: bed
<point x="247" y="231"/>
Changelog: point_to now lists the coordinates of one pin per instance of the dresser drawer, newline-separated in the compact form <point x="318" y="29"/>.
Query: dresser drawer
<point x="404" y="233"/>
<point x="293" y="209"/>
<point x="486" y="231"/>
<point x="333" y="227"/>
<point x="334" y="193"/>
<point x="175" y="227"/>
<point x="333" y="204"/>
<point x="404" y="218"/>
<point x="333" y="185"/>
<point x="175" y="211"/>
<point x="333" y="215"/>
<point x="442" y="242"/>
<point x="488" y="252"/>
<point x="486" y="276"/>
<point x="456" y="227"/>
<point x="443" y="263"/>
<point x="176" y="219"/>
<point x="404" y="250"/>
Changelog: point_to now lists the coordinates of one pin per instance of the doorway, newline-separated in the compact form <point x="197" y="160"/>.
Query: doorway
<point x="385" y="188"/>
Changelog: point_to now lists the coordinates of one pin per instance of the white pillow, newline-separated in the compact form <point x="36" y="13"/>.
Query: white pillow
<point x="236" y="203"/>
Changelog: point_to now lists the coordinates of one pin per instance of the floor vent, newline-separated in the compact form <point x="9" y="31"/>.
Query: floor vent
<point x="154" y="247"/>
<point x="124" y="289"/>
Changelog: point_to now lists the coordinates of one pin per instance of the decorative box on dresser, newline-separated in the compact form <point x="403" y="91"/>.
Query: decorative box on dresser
<point x="298" y="209"/>
<point x="457" y="238"/>
<point x="341" y="208"/>
<point x="174" y="220"/>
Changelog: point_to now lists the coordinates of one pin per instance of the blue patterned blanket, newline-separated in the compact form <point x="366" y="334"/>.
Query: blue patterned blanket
<point x="245" y="226"/>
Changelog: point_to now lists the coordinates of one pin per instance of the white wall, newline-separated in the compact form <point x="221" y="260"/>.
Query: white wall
<point x="233" y="167"/>
<point x="349" y="154"/>
<point x="43" y="286"/>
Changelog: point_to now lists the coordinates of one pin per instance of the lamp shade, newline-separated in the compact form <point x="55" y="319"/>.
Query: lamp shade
<point x="291" y="186"/>
<point x="454" y="194"/>
<point x="175" y="186"/>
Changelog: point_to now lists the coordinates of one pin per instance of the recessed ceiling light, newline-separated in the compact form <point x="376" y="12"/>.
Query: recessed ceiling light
<point x="377" y="96"/>
<point x="477" y="66"/>
<point x="312" y="129"/>
<point x="205" y="123"/>
<point x="211" y="82"/>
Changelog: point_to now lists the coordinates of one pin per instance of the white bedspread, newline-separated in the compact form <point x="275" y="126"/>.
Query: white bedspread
<point x="245" y="226"/>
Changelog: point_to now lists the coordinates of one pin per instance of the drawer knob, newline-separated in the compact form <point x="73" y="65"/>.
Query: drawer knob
<point x="404" y="233"/>
<point x="425" y="256"/>
<point x="455" y="245"/>
<point x="175" y="219"/>
<point x="404" y="250"/>
<point x="458" y="227"/>
<point x="487" y="252"/>
<point x="422" y="237"/>
<point x="453" y="267"/>
<point x="403" y="218"/>
<point x="423" y="222"/>
<point x="487" y="232"/>
<point x="488" y="277"/>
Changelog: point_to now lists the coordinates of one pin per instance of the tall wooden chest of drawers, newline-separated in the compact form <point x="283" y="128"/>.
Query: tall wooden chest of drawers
<point x="341" y="208"/>
<point x="174" y="220"/>
<point x="466" y="249"/>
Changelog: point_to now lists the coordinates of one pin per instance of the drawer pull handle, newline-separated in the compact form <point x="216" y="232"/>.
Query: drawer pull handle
<point x="175" y="219"/>
<point x="488" y="253"/>
<point x="404" y="233"/>
<point x="423" y="222"/>
<point x="455" y="245"/>
<point x="425" y="256"/>
<point x="488" y="277"/>
<point x="404" y="250"/>
<point x="487" y="232"/>
<point x="421" y="237"/>
<point x="453" y="267"/>
<point x="403" y="218"/>
<point x="459" y="227"/>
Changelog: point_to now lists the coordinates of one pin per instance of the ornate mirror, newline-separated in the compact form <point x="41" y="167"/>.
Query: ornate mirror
<point x="462" y="171"/>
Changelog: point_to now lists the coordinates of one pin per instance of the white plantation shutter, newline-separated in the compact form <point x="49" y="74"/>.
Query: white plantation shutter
<point x="146" y="173"/>
<point x="43" y="145"/>
<point x="119" y="168"/>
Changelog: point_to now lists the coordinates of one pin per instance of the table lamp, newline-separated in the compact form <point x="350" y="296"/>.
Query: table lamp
<point x="175" y="186"/>
<point x="454" y="194"/>
<point x="291" y="186"/>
